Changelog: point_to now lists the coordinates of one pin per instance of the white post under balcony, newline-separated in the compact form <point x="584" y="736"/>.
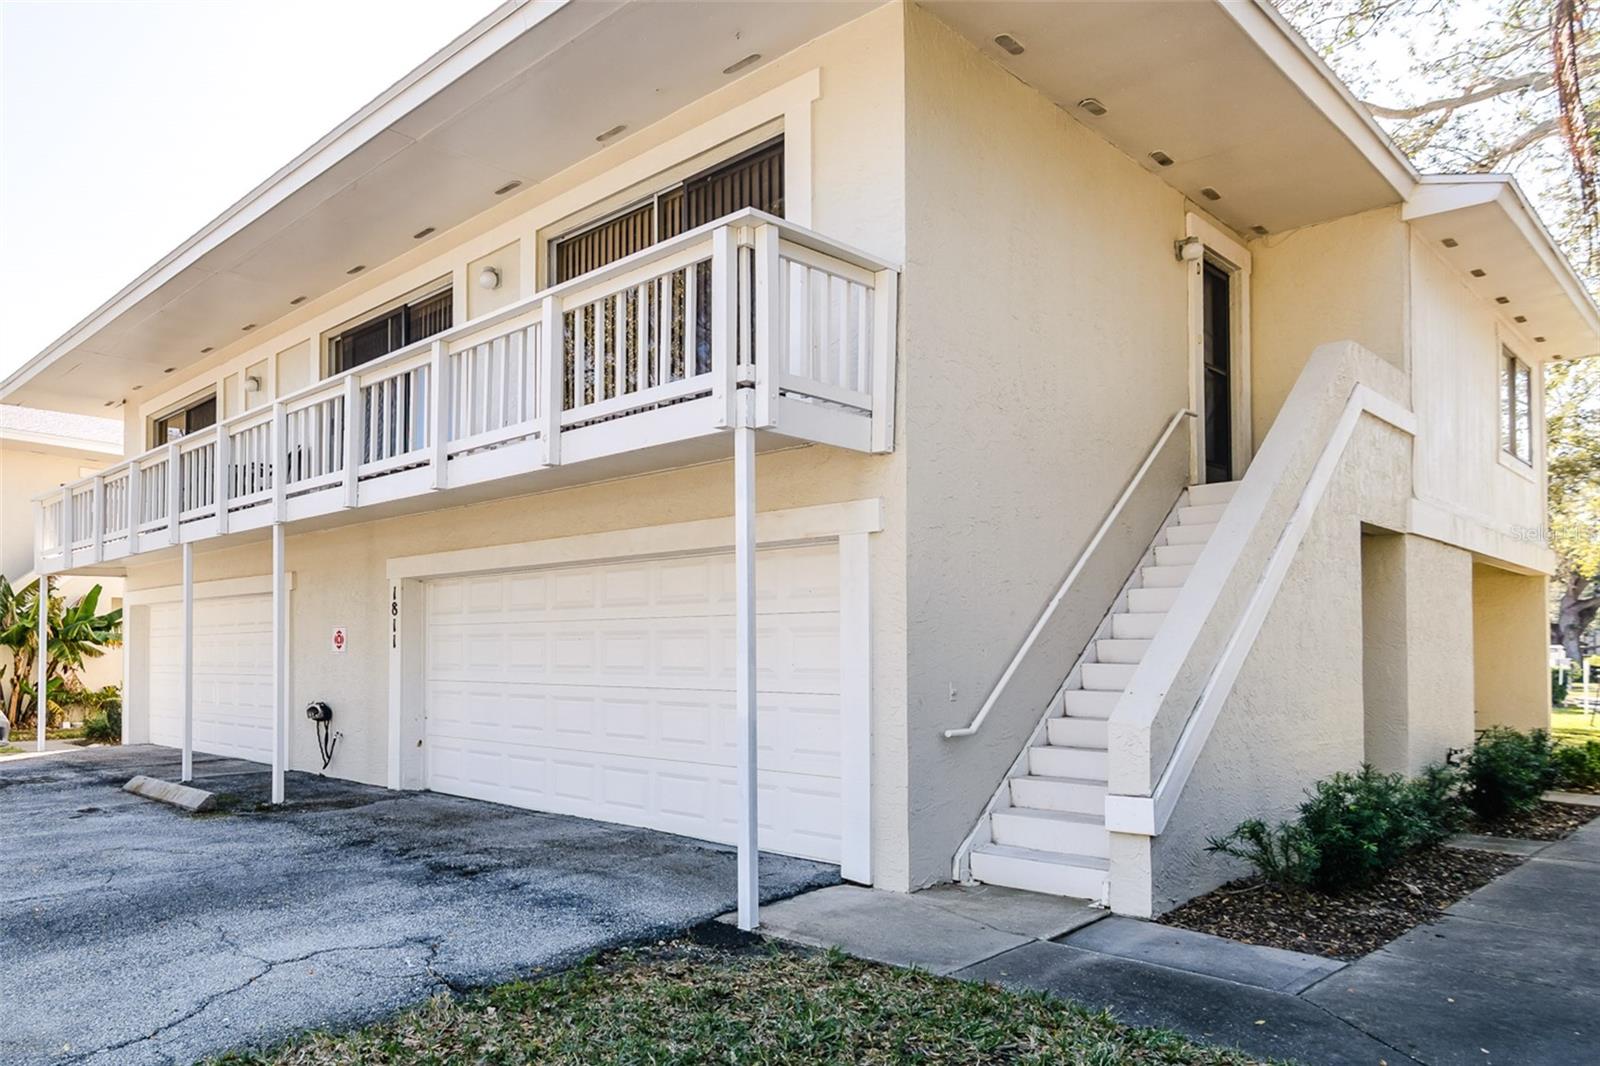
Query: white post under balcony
<point x="280" y="663"/>
<point x="188" y="663"/>
<point x="744" y="510"/>
<point x="42" y="702"/>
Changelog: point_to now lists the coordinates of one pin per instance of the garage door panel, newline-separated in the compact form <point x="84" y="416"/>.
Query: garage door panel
<point x="232" y="676"/>
<point x="607" y="692"/>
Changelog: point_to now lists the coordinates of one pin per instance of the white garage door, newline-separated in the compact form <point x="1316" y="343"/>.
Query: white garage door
<point x="608" y="692"/>
<point x="232" y="676"/>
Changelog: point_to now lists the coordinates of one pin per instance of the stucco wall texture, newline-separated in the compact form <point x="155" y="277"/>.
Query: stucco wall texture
<point x="1511" y="661"/>
<point x="1045" y="317"/>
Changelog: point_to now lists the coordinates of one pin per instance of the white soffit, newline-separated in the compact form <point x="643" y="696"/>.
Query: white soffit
<point x="1491" y="229"/>
<point x="1227" y="91"/>
<point x="519" y="97"/>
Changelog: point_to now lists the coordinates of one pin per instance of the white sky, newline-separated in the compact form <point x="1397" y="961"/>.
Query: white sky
<point x="126" y="125"/>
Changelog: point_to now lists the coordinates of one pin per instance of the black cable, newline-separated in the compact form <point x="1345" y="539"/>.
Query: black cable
<point x="326" y="742"/>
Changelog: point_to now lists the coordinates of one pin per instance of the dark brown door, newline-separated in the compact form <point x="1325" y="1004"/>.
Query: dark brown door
<point x="1218" y="371"/>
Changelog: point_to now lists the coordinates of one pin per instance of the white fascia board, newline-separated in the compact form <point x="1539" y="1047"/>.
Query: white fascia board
<point x="1440" y="194"/>
<point x="487" y="36"/>
<point x="1282" y="44"/>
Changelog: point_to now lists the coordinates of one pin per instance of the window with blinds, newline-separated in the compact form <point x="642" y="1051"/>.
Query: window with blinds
<point x="391" y="331"/>
<point x="753" y="179"/>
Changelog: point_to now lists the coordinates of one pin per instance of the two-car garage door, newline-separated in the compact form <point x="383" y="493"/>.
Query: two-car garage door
<point x="232" y="676"/>
<point x="607" y="692"/>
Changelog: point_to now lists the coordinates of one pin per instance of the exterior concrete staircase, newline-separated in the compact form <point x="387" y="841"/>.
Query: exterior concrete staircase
<point x="1047" y="829"/>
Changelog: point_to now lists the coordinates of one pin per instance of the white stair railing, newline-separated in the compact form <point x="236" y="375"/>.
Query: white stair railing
<point x="1048" y="614"/>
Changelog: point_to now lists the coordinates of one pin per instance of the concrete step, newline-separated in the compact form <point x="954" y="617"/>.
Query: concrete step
<point x="1151" y="601"/>
<point x="1189" y="534"/>
<point x="1057" y="831"/>
<point x="1077" y="732"/>
<point x="1082" y="876"/>
<point x="1177" y="554"/>
<point x="1136" y="626"/>
<point x="1108" y="677"/>
<point x="1120" y="651"/>
<point x="1164" y="577"/>
<point x="1084" y="703"/>
<point x="1208" y="515"/>
<point x="1051" y="760"/>
<point x="1205" y="495"/>
<point x="1075" y="794"/>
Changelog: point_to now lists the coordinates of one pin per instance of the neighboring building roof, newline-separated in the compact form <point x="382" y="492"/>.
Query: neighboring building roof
<point x="58" y="430"/>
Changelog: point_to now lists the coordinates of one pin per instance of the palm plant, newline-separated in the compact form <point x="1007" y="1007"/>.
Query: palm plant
<point x="78" y="632"/>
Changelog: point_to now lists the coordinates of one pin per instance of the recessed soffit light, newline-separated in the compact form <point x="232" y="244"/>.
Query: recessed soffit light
<point x="1478" y="272"/>
<point x="610" y="133"/>
<point x="297" y="301"/>
<point x="1449" y="242"/>
<point x="738" y="65"/>
<point x="1009" y="44"/>
<point x="1161" y="159"/>
<point x="1210" y="194"/>
<point x="507" y="187"/>
<point x="358" y="268"/>
<point x="421" y="233"/>
<point x="1093" y="106"/>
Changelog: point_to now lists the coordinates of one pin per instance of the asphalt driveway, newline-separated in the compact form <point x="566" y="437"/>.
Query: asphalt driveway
<point x="132" y="933"/>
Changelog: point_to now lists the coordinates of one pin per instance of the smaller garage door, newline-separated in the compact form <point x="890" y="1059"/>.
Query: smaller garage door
<point x="608" y="692"/>
<point x="232" y="676"/>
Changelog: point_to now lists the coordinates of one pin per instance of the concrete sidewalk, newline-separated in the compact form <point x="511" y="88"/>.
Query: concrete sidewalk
<point x="1507" y="975"/>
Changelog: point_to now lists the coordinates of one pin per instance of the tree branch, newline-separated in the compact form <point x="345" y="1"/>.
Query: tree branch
<point x="1519" y="83"/>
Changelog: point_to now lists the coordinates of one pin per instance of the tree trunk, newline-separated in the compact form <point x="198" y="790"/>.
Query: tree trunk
<point x="1574" y="616"/>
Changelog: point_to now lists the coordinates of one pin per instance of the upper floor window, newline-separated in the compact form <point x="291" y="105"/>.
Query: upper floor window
<point x="390" y="330"/>
<point x="751" y="179"/>
<point x="192" y="416"/>
<point x="1516" y="407"/>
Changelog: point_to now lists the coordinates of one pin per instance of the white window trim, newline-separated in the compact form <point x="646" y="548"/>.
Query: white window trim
<point x="1506" y="459"/>
<point x="1224" y="251"/>
<point x="849" y="524"/>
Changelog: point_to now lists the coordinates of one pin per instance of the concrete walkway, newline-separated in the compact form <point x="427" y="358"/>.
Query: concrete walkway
<point x="1511" y="974"/>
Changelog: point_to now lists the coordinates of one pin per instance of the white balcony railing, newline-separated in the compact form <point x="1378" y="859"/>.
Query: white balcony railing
<point x="650" y="350"/>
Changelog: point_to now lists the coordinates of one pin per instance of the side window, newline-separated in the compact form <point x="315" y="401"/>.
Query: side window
<point x="1516" y="407"/>
<point x="752" y="179"/>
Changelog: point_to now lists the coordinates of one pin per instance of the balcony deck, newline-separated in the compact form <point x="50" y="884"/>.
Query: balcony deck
<point x="653" y="349"/>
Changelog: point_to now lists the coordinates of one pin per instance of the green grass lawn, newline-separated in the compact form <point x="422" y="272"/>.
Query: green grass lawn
<point x="1574" y="725"/>
<point x="10" y="749"/>
<point x="685" y="1002"/>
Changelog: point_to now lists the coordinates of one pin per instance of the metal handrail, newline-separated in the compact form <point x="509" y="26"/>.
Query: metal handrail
<point x="1072" y="576"/>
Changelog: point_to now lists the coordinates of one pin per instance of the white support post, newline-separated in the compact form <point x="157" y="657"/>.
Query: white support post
<point x="135" y="516"/>
<point x="744" y="521"/>
<point x="280" y="665"/>
<point x="187" y="658"/>
<point x="280" y="462"/>
<point x="41" y="712"/>
<point x="886" y="311"/>
<point x="768" y="315"/>
<point x="552" y="379"/>
<point x="224" y="478"/>
<point x="353" y="417"/>
<point x="98" y="520"/>
<point x="439" y="415"/>
<point x="724" y="326"/>
<point x="174" y="495"/>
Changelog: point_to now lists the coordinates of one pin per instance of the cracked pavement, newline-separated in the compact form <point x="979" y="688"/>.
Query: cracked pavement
<point x="132" y="933"/>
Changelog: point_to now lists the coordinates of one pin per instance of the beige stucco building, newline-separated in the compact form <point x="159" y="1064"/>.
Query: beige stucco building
<point x="1138" y="437"/>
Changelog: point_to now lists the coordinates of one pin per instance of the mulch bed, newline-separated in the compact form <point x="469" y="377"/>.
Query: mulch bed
<point x="1548" y="821"/>
<point x="1345" y="926"/>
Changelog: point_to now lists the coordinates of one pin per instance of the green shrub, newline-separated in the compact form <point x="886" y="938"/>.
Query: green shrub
<point x="104" y="726"/>
<point x="1507" y="771"/>
<point x="1558" y="687"/>
<point x="1282" y="854"/>
<point x="1351" y="829"/>
<point x="1577" y="765"/>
